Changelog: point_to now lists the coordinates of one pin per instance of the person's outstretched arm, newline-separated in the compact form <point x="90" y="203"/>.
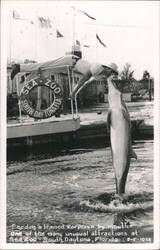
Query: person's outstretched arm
<point x="83" y="81"/>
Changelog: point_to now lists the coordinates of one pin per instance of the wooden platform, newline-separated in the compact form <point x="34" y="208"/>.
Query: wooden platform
<point x="30" y="127"/>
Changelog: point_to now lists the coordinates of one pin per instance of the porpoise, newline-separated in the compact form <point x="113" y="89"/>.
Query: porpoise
<point x="119" y="122"/>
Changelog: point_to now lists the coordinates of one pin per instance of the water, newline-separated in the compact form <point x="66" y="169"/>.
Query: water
<point x="76" y="187"/>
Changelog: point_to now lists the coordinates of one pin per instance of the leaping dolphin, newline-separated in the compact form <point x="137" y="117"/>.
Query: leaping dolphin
<point x="120" y="135"/>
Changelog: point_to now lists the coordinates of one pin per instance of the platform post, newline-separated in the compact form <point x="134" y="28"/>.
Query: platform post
<point x="29" y="141"/>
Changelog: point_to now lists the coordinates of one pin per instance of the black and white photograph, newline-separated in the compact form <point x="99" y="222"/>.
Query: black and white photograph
<point x="80" y="125"/>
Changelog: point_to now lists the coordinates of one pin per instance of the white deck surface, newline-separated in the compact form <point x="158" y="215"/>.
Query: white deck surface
<point x="30" y="127"/>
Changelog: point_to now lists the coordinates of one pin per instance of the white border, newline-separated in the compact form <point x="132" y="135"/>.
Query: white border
<point x="3" y="126"/>
<point x="157" y="126"/>
<point x="3" y="245"/>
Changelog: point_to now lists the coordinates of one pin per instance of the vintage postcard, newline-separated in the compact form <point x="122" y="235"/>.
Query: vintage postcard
<point x="80" y="117"/>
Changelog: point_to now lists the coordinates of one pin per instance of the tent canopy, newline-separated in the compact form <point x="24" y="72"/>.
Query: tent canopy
<point x="56" y="66"/>
<point x="59" y="65"/>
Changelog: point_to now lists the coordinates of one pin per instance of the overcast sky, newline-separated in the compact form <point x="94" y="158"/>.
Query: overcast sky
<point x="125" y="27"/>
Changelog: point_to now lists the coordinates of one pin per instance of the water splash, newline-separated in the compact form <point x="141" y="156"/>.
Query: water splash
<point x="108" y="203"/>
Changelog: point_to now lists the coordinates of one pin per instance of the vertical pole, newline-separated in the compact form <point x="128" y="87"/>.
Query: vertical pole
<point x="39" y="93"/>
<point x="50" y="98"/>
<point x="149" y="83"/>
<point x="96" y="41"/>
<point x="29" y="141"/>
<point x="73" y="27"/>
<point x="36" y="36"/>
<point x="70" y="89"/>
<point x="55" y="24"/>
<point x="39" y="97"/>
<point x="10" y="35"/>
<point x="75" y="99"/>
<point x="96" y="86"/>
<point x="19" y="102"/>
<point x="76" y="105"/>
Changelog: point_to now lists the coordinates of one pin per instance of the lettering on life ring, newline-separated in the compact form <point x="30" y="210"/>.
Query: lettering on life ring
<point x="39" y="113"/>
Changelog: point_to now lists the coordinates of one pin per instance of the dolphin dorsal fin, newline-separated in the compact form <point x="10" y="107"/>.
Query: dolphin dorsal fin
<point x="133" y="154"/>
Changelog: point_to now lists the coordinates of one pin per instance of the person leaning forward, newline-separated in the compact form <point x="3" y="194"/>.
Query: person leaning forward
<point x="90" y="71"/>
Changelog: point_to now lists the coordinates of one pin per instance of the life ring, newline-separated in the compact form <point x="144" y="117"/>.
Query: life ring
<point x="41" y="113"/>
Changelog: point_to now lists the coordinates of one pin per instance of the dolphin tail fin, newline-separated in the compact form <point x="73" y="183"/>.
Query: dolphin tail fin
<point x="133" y="154"/>
<point x="109" y="118"/>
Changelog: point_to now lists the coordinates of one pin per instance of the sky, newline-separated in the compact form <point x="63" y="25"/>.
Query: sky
<point x="125" y="27"/>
